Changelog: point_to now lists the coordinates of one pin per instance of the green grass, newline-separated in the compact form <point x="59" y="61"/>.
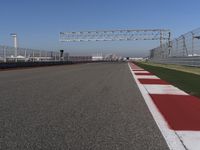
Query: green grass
<point x="195" y="70"/>
<point x="188" y="82"/>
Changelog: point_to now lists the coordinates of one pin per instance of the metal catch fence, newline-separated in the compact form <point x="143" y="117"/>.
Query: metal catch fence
<point x="11" y="54"/>
<point x="184" y="50"/>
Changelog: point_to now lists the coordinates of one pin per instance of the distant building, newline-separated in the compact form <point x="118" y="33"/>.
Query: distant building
<point x="97" y="57"/>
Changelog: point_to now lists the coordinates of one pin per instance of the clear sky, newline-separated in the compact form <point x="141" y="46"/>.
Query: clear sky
<point x="38" y="22"/>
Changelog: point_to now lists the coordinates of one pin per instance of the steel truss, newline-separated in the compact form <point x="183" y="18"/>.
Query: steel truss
<point x="116" y="35"/>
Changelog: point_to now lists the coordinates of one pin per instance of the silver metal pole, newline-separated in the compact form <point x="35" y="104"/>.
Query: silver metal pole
<point x="192" y="43"/>
<point x="4" y="54"/>
<point x="33" y="56"/>
<point x="25" y="55"/>
<point x="15" y="54"/>
<point x="40" y="55"/>
<point x="59" y="56"/>
<point x="161" y="39"/>
<point x="176" y="50"/>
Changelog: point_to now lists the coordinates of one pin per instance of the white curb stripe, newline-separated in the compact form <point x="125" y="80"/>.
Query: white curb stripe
<point x="146" y="77"/>
<point x="190" y="138"/>
<point x="163" y="89"/>
<point x="135" y="69"/>
<point x="141" y="71"/>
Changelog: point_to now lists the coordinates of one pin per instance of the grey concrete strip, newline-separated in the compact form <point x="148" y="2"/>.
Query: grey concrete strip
<point x="79" y="107"/>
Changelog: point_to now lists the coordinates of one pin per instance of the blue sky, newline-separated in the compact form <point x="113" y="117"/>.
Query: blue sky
<point x="38" y="22"/>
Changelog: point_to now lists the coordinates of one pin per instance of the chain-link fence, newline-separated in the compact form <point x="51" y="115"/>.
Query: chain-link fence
<point x="11" y="54"/>
<point x="185" y="50"/>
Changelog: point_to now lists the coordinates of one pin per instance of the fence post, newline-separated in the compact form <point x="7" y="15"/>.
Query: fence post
<point x="192" y="43"/>
<point x="33" y="57"/>
<point x="184" y="47"/>
<point x="46" y="55"/>
<point x="15" y="54"/>
<point x="4" y="54"/>
<point x="40" y="55"/>
<point x="161" y="38"/>
<point x="177" y="46"/>
<point x="25" y="54"/>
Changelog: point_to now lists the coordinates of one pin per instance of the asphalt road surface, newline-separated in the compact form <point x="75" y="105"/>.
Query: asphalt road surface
<point x="75" y="107"/>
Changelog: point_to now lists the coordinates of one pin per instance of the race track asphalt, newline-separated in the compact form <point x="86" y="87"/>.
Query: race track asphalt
<point x="75" y="107"/>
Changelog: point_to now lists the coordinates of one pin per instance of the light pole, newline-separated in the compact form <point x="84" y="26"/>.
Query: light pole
<point x="14" y="35"/>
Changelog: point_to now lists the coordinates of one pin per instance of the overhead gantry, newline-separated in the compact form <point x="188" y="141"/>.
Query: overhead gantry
<point x="117" y="35"/>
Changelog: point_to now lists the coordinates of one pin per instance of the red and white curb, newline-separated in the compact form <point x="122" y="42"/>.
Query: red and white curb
<point x="176" y="113"/>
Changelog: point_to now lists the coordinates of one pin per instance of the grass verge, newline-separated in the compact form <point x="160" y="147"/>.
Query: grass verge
<point x="195" y="70"/>
<point x="185" y="81"/>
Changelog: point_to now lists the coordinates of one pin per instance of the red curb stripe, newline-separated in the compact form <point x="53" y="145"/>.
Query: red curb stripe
<point x="153" y="81"/>
<point x="182" y="112"/>
<point x="144" y="73"/>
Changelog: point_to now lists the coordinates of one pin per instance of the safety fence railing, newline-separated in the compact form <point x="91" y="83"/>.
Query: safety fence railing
<point x="184" y="50"/>
<point x="11" y="54"/>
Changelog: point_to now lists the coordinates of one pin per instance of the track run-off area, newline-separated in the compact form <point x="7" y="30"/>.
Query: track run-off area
<point x="98" y="106"/>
